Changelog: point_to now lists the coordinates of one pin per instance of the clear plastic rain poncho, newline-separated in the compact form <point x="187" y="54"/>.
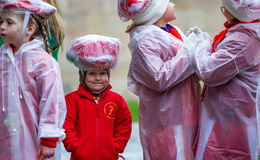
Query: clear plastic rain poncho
<point x="229" y="117"/>
<point x="161" y="75"/>
<point x="31" y="101"/>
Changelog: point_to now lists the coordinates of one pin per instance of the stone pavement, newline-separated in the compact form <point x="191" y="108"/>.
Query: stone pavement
<point x="133" y="150"/>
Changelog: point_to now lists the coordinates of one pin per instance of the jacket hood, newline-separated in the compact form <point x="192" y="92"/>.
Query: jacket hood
<point x="251" y="28"/>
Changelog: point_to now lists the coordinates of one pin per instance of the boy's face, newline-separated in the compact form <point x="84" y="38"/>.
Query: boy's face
<point x="10" y="26"/>
<point x="97" y="79"/>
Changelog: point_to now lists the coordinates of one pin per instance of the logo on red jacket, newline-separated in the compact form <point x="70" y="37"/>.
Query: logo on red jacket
<point x="110" y="110"/>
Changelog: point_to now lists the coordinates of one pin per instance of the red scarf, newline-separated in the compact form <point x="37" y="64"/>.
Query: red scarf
<point x="219" y="37"/>
<point x="173" y="31"/>
<point x="13" y="47"/>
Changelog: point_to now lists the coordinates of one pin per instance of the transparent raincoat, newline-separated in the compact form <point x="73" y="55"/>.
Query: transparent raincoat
<point x="229" y="123"/>
<point x="32" y="100"/>
<point x="168" y="94"/>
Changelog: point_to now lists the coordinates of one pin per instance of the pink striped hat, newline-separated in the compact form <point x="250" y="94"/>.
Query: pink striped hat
<point x="142" y="11"/>
<point x="39" y="7"/>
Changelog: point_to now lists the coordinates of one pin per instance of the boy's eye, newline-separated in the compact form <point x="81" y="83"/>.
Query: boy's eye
<point x="91" y="73"/>
<point x="103" y="73"/>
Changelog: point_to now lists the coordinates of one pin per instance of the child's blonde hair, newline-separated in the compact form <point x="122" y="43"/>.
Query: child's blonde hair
<point x="40" y="29"/>
<point x="131" y="27"/>
<point x="54" y="25"/>
<point x="49" y="28"/>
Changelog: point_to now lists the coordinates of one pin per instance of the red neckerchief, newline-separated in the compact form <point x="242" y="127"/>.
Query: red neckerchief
<point x="173" y="31"/>
<point x="219" y="38"/>
<point x="13" y="47"/>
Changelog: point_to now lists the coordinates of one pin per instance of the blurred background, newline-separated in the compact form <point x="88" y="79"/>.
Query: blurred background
<point x="83" y="17"/>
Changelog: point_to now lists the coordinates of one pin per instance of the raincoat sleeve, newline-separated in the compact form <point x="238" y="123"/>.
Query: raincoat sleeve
<point x="233" y="56"/>
<point x="71" y="142"/>
<point x="151" y="71"/>
<point x="52" y="107"/>
<point x="123" y="123"/>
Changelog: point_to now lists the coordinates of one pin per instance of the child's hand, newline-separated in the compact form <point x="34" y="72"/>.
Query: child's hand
<point x="45" y="152"/>
<point x="194" y="29"/>
<point x="195" y="44"/>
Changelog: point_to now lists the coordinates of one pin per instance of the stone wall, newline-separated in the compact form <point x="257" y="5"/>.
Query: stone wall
<point x="83" y="17"/>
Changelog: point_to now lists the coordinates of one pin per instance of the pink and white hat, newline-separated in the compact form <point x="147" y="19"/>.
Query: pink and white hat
<point x="142" y="11"/>
<point x="243" y="10"/>
<point x="39" y="7"/>
<point x="5" y="2"/>
<point x="2" y="2"/>
<point x="94" y="52"/>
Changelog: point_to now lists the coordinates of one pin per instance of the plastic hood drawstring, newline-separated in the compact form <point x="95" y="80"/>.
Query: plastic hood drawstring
<point x="2" y="75"/>
<point x="20" y="69"/>
<point x="257" y="109"/>
<point x="25" y="23"/>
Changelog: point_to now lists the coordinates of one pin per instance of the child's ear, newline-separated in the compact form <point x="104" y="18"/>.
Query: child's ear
<point x="30" y="29"/>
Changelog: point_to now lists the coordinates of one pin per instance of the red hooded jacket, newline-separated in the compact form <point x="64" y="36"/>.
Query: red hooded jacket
<point x="96" y="128"/>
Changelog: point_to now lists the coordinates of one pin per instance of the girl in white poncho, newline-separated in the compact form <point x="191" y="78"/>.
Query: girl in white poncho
<point x="230" y="68"/>
<point x="31" y="100"/>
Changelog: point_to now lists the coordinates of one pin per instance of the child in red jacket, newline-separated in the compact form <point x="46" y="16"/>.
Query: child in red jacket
<point x="98" y="122"/>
